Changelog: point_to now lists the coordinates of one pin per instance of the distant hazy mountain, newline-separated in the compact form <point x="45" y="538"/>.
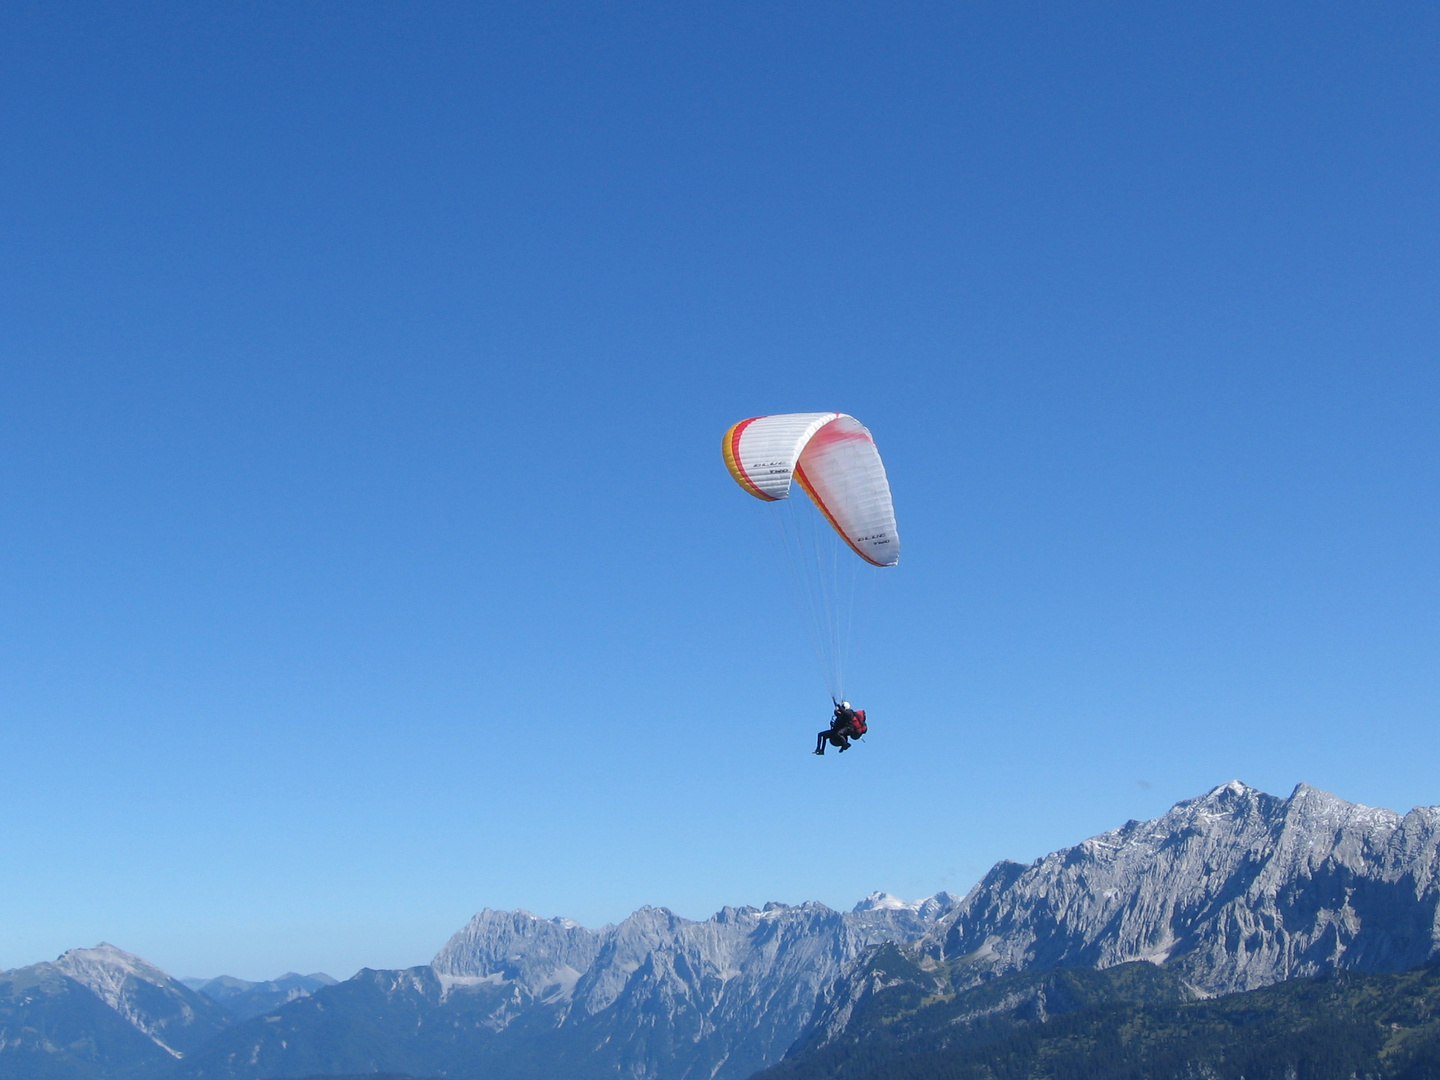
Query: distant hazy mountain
<point x="243" y="999"/>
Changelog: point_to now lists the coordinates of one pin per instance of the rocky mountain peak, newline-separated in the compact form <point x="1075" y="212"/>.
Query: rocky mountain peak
<point x="744" y="981"/>
<point x="884" y="901"/>
<point x="1235" y="889"/>
<point x="541" y="956"/>
<point x="106" y="970"/>
<point x="169" y="1013"/>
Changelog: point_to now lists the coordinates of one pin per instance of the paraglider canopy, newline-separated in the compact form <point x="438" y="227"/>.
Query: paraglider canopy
<point x="832" y="456"/>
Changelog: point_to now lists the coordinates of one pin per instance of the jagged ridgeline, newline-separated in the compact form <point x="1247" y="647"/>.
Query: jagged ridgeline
<point x="513" y="995"/>
<point x="1227" y="893"/>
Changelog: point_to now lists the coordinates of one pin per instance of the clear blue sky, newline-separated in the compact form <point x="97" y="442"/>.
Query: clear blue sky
<point x="368" y="557"/>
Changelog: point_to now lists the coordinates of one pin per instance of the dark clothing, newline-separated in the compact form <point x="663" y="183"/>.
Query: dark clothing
<point x="840" y="732"/>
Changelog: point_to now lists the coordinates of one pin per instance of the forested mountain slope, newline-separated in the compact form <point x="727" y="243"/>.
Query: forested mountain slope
<point x="1131" y="1022"/>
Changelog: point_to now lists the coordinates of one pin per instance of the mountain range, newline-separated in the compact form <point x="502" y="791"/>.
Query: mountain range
<point x="1226" y="893"/>
<point x="512" y="994"/>
<point x="243" y="999"/>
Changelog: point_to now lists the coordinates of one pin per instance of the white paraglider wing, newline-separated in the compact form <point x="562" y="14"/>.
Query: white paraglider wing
<point x="834" y="458"/>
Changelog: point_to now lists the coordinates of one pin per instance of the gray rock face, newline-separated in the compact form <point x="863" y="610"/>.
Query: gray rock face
<point x="515" y="997"/>
<point x="543" y="958"/>
<point x="744" y="984"/>
<point x="669" y="996"/>
<point x="1233" y="890"/>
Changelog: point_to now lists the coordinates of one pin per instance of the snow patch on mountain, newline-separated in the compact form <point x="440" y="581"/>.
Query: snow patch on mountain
<point x="884" y="901"/>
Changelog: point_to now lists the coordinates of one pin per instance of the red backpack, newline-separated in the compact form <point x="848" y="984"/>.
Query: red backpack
<point x="857" y="723"/>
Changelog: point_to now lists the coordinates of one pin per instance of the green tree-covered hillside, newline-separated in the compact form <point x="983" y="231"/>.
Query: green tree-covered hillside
<point x="1132" y="1022"/>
